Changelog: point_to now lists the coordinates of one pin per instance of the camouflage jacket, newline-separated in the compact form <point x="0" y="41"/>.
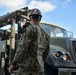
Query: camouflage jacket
<point x="33" y="49"/>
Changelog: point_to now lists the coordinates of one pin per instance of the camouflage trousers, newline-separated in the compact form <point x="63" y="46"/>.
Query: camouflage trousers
<point x="29" y="73"/>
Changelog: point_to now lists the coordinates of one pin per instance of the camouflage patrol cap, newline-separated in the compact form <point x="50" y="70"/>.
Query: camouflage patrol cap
<point x="36" y="12"/>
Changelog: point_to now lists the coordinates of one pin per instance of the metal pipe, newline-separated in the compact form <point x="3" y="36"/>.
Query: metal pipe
<point x="12" y="41"/>
<point x="25" y="17"/>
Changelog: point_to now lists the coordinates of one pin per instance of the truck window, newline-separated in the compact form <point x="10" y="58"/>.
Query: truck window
<point x="54" y="31"/>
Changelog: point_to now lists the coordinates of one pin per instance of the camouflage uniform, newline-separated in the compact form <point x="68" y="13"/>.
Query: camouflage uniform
<point x="32" y="51"/>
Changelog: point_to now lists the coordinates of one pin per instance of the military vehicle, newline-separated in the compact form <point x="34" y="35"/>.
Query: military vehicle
<point x="62" y="55"/>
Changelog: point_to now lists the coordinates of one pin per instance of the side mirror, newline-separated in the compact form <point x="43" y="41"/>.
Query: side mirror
<point x="69" y="34"/>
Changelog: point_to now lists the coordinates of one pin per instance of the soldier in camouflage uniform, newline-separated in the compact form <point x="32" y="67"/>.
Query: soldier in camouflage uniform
<point x="33" y="48"/>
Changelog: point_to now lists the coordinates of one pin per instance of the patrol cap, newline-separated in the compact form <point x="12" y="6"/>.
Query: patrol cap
<point x="35" y="11"/>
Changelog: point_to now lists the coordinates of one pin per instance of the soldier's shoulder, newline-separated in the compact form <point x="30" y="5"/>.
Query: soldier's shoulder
<point x="29" y="28"/>
<point x="45" y="33"/>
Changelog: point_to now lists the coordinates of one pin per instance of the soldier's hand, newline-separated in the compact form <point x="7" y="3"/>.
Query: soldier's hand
<point x="11" y="68"/>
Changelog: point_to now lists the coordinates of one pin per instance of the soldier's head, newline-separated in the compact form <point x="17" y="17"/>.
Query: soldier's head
<point x="35" y="15"/>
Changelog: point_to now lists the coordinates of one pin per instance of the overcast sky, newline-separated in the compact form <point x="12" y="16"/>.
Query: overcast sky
<point x="59" y="12"/>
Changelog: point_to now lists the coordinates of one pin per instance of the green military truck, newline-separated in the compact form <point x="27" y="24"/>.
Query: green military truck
<point x="62" y="50"/>
<point x="62" y="55"/>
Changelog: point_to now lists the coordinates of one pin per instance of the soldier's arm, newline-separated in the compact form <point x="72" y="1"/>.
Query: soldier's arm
<point x="47" y="49"/>
<point x="22" y="50"/>
<point x="45" y="54"/>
